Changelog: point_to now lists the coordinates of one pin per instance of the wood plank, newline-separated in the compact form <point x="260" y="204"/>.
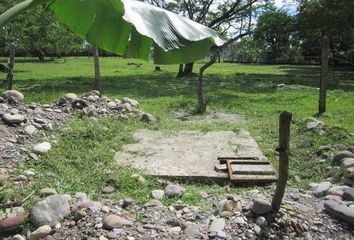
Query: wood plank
<point x="223" y="160"/>
<point x="251" y="178"/>
<point x="248" y="161"/>
<point x="250" y="168"/>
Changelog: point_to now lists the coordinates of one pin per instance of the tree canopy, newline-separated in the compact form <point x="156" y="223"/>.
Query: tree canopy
<point x="130" y="28"/>
<point x="274" y="31"/>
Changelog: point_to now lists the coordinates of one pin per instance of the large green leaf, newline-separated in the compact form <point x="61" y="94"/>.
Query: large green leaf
<point x="18" y="9"/>
<point x="129" y="27"/>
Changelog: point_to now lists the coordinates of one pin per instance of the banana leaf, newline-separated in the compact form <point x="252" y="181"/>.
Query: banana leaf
<point x="129" y="28"/>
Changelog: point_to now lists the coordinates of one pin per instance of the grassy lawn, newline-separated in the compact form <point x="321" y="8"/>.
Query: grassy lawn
<point x="82" y="159"/>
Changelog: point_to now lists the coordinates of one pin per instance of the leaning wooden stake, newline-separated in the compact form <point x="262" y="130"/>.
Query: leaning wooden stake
<point x="11" y="64"/>
<point x="284" y="136"/>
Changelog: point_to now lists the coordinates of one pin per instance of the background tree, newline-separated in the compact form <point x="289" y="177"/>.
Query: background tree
<point x="273" y="33"/>
<point x="231" y="19"/>
<point x="37" y="33"/>
<point x="329" y="23"/>
<point x="335" y="18"/>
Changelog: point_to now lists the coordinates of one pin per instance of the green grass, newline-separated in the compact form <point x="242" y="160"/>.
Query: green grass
<point x="82" y="158"/>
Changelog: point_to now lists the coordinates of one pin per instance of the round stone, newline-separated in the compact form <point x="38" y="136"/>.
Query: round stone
<point x="157" y="194"/>
<point x="42" y="147"/>
<point x="114" y="221"/>
<point x="261" y="207"/>
<point x="41" y="232"/>
<point x="30" y="130"/>
<point x="13" y="95"/>
<point x="13" y="119"/>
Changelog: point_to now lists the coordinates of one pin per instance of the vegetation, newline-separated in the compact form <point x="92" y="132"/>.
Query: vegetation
<point x="258" y="92"/>
<point x="249" y="90"/>
<point x="273" y="33"/>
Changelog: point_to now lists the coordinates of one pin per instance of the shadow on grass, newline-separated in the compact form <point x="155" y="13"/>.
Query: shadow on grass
<point x="165" y="84"/>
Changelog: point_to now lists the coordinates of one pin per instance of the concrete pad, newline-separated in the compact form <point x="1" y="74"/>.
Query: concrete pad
<point x="185" y="153"/>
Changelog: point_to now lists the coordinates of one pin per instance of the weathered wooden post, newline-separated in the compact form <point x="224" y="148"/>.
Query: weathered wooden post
<point x="324" y="73"/>
<point x="284" y="136"/>
<point x="97" y="69"/>
<point x="11" y="65"/>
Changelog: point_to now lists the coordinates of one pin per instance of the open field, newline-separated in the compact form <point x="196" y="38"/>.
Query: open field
<point x="248" y="90"/>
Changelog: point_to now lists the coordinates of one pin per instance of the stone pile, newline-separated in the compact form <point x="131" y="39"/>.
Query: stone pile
<point x="244" y="216"/>
<point x="22" y="130"/>
<point x="20" y="123"/>
<point x="339" y="198"/>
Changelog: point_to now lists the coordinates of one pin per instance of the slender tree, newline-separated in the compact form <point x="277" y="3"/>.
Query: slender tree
<point x="96" y="61"/>
<point x="202" y="103"/>
<point x="11" y="65"/>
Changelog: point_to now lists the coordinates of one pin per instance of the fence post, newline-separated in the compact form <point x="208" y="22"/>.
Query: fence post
<point x="284" y="136"/>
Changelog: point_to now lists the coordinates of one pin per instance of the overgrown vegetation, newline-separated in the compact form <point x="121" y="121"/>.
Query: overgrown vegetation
<point x="82" y="159"/>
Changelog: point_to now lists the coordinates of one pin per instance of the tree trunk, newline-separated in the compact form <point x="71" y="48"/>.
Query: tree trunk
<point x="202" y="104"/>
<point x="40" y="55"/>
<point x="97" y="69"/>
<point x="11" y="65"/>
<point x="180" y="71"/>
<point x="188" y="69"/>
<point x="324" y="73"/>
<point x="65" y="54"/>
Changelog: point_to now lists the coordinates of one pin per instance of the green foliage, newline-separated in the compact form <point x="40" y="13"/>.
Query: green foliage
<point x="37" y="33"/>
<point x="333" y="17"/>
<point x="246" y="89"/>
<point x="129" y="28"/>
<point x="274" y="32"/>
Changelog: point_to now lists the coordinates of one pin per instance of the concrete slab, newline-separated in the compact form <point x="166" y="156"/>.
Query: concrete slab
<point x="185" y="153"/>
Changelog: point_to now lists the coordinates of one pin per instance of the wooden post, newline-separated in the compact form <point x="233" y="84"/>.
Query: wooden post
<point x="284" y="136"/>
<point x="11" y="65"/>
<point x="97" y="69"/>
<point x="324" y="73"/>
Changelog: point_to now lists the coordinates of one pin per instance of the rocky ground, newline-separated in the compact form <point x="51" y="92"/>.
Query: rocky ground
<point x="324" y="212"/>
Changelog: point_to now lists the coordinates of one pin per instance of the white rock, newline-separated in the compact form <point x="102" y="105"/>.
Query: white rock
<point x="41" y="232"/>
<point x="157" y="194"/>
<point x="70" y="96"/>
<point x="29" y="173"/>
<point x="18" y="237"/>
<point x="50" y="211"/>
<point x="13" y="95"/>
<point x="111" y="105"/>
<point x="13" y="119"/>
<point x="42" y="147"/>
<point x="217" y="225"/>
<point x="30" y="129"/>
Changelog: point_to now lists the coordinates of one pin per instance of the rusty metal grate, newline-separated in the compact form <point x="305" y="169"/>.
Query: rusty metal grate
<point x="248" y="169"/>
